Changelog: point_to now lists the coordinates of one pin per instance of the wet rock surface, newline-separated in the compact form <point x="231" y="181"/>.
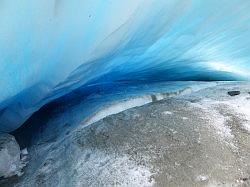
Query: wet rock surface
<point x="199" y="139"/>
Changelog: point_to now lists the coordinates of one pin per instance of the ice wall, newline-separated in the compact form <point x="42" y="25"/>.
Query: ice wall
<point x="50" y="47"/>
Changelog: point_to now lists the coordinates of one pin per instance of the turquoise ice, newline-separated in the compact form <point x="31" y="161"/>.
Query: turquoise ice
<point x="49" y="48"/>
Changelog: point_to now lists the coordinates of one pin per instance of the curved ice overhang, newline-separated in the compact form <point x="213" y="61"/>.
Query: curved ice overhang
<point x="49" y="48"/>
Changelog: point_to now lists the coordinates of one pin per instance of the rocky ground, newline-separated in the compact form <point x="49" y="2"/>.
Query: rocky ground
<point x="197" y="139"/>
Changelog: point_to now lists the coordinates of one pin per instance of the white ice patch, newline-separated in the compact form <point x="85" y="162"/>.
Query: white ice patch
<point x="111" y="170"/>
<point x="24" y="151"/>
<point x="10" y="162"/>
<point x="246" y="126"/>
<point x="202" y="178"/>
<point x="167" y="112"/>
<point x="220" y="124"/>
<point x="241" y="106"/>
<point x="215" y="119"/>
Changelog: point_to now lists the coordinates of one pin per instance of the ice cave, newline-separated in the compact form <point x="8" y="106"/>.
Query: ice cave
<point x="124" y="93"/>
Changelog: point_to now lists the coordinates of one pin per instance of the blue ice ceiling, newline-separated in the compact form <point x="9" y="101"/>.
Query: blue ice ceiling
<point x="51" y="47"/>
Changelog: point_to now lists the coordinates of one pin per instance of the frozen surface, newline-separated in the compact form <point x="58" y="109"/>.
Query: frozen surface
<point x="10" y="157"/>
<point x="196" y="139"/>
<point x="49" y="48"/>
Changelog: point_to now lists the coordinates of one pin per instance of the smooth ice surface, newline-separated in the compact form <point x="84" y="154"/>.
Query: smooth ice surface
<point x="49" y="48"/>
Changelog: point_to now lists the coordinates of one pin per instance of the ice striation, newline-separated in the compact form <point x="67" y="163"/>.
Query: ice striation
<point x="50" y="48"/>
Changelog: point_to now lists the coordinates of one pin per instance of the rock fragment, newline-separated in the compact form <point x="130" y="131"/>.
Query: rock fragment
<point x="233" y="93"/>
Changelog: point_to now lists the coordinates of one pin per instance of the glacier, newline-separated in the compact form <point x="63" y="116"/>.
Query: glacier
<point x="51" y="48"/>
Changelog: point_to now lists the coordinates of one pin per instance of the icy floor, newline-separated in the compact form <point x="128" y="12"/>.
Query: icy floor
<point x="194" y="139"/>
